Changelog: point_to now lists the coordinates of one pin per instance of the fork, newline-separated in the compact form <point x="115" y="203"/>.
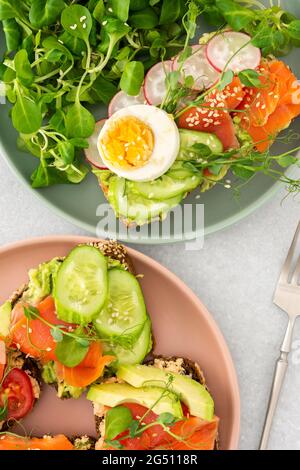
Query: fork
<point x="287" y="297"/>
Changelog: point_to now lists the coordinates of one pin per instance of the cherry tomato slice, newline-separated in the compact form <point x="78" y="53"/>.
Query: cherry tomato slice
<point x="18" y="389"/>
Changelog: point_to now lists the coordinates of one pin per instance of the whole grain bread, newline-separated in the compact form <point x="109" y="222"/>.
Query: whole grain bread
<point x="188" y="367"/>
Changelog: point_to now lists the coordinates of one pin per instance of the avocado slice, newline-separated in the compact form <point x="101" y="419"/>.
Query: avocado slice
<point x="191" y="393"/>
<point x="5" y="314"/>
<point x="114" y="394"/>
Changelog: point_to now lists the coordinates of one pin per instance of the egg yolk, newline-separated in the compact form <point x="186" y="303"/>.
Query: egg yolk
<point x="128" y="143"/>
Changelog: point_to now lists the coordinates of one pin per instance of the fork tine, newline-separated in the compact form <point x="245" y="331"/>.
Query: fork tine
<point x="296" y="274"/>
<point x="288" y="262"/>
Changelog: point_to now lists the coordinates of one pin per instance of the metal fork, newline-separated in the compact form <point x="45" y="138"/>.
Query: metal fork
<point x="287" y="297"/>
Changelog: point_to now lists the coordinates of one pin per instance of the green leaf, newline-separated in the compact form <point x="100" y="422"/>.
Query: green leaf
<point x="31" y="313"/>
<point x="166" y="418"/>
<point x="70" y="352"/>
<point x="243" y="173"/>
<point x="45" y="12"/>
<point x="79" y="121"/>
<point x="57" y="121"/>
<point x="287" y="160"/>
<point x="13" y="34"/>
<point x="137" y="5"/>
<point x="120" y="9"/>
<point x="170" y="11"/>
<point x="9" y="9"/>
<point x="99" y="11"/>
<point x="23" y="68"/>
<point x="103" y="90"/>
<point x="57" y="335"/>
<point x="293" y="29"/>
<point x="250" y="78"/>
<point x="74" y="44"/>
<point x="77" y="21"/>
<point x="132" y="78"/>
<point x="226" y="79"/>
<point x="26" y="115"/>
<point x="133" y="428"/>
<point x="117" y="420"/>
<point x="45" y="176"/>
<point x="203" y="150"/>
<point x="114" y="444"/>
<point x="4" y="407"/>
<point x="66" y="151"/>
<point x="237" y="16"/>
<point x="145" y="19"/>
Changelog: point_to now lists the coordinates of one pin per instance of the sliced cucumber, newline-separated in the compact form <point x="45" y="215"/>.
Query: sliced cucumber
<point x="134" y="207"/>
<point x="176" y="181"/>
<point x="124" y="313"/>
<point x="190" y="138"/>
<point x="81" y="285"/>
<point x="131" y="355"/>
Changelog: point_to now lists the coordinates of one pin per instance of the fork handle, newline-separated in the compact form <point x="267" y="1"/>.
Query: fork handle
<point x="279" y="376"/>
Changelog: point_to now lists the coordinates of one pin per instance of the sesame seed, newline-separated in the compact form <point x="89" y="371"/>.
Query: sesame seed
<point x="84" y="25"/>
<point x="104" y="23"/>
<point x="263" y="106"/>
<point x="82" y="19"/>
<point x="258" y="104"/>
<point x="227" y="186"/>
<point x="73" y="27"/>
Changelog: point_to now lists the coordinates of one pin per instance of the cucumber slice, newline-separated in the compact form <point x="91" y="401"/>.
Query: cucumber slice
<point x="125" y="311"/>
<point x="175" y="182"/>
<point x="81" y="285"/>
<point x="134" y="207"/>
<point x="190" y="138"/>
<point x="135" y="355"/>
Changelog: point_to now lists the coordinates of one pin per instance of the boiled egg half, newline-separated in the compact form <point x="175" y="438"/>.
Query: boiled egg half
<point x="139" y="143"/>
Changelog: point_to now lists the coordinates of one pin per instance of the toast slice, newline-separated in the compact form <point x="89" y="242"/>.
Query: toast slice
<point x="179" y="365"/>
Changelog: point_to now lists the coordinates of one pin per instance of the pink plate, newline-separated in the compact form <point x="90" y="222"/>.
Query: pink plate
<point x="182" y="327"/>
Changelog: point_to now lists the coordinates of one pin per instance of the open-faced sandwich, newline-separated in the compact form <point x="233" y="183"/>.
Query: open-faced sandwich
<point x="80" y="323"/>
<point x="217" y="106"/>
<point x="162" y="404"/>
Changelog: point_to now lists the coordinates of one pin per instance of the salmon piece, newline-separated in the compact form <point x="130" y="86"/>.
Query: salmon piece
<point x="89" y="370"/>
<point x="264" y="136"/>
<point x="213" y="121"/>
<point x="195" y="434"/>
<point x="233" y="94"/>
<point x="260" y="103"/>
<point x="36" y="340"/>
<point x="60" y="442"/>
<point x="279" y="104"/>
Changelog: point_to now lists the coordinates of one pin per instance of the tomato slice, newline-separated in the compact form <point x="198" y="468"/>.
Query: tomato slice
<point x="37" y="340"/>
<point x="18" y="389"/>
<point x="89" y="370"/>
<point x="8" y="442"/>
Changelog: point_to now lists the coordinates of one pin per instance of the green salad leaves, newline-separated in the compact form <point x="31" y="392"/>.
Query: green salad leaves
<point x="62" y="57"/>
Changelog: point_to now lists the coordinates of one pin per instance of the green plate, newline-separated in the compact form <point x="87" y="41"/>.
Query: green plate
<point x="79" y="204"/>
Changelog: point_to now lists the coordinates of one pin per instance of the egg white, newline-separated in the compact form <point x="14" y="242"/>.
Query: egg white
<point x="166" y="142"/>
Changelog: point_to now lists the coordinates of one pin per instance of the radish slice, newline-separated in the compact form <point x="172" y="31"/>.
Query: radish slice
<point x="122" y="100"/>
<point x="155" y="83"/>
<point x="199" y="68"/>
<point x="234" y="51"/>
<point x="92" y="153"/>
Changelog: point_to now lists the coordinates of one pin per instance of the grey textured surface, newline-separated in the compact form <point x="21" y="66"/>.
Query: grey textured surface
<point x="234" y="275"/>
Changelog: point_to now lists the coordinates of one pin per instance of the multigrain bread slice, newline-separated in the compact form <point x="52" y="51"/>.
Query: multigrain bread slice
<point x="179" y="365"/>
